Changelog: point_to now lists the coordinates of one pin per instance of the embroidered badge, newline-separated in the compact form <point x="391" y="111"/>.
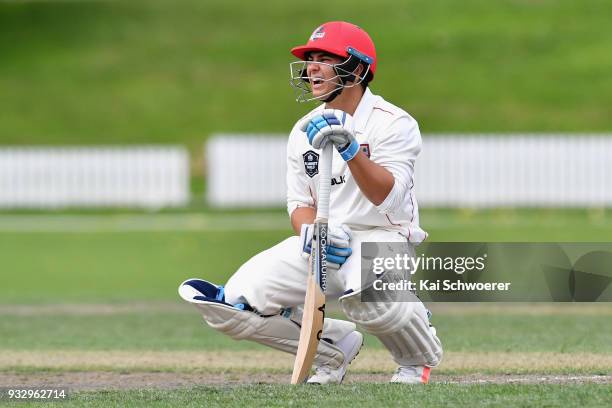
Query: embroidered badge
<point x="365" y="147"/>
<point x="311" y="163"/>
<point x="318" y="33"/>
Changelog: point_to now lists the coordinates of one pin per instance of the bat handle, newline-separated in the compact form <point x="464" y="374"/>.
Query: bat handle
<point x="325" y="167"/>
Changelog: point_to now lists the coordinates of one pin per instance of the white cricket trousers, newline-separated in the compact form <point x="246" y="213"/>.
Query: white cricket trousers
<point x="275" y="279"/>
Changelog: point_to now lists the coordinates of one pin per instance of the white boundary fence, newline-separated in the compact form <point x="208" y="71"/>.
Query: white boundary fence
<point x="516" y="170"/>
<point x="49" y="177"/>
<point x="506" y="170"/>
<point x="246" y="170"/>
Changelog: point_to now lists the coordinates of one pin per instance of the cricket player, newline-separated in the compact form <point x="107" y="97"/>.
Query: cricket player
<point x="371" y="200"/>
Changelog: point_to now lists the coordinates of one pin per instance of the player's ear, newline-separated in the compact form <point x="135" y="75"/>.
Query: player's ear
<point x="359" y="72"/>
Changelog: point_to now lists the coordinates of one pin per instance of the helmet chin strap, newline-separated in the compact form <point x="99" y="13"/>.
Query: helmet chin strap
<point x="333" y="95"/>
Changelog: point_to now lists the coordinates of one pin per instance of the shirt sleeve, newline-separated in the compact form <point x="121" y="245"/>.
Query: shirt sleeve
<point x="298" y="190"/>
<point x="396" y="150"/>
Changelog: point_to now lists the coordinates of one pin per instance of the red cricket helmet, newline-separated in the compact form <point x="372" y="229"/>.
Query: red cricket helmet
<point x="342" y="39"/>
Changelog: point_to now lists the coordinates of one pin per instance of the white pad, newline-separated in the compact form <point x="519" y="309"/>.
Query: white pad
<point x="281" y="332"/>
<point x="402" y="326"/>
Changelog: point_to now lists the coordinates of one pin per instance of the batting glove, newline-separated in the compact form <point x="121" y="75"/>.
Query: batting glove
<point x="338" y="248"/>
<point x="335" y="126"/>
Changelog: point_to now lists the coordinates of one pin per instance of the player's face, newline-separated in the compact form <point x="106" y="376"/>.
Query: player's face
<point x="321" y="73"/>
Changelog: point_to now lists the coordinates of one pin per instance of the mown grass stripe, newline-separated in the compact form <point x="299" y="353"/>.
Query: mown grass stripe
<point x="179" y="307"/>
<point x="238" y="361"/>
<point x="142" y="222"/>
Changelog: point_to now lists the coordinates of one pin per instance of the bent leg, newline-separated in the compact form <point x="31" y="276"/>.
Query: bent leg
<point x="399" y="320"/>
<point x="272" y="284"/>
<point x="274" y="281"/>
<point x="403" y="327"/>
<point x="271" y="280"/>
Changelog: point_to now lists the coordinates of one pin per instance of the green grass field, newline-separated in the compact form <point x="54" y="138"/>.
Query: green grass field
<point x="351" y="396"/>
<point x="174" y="72"/>
<point x="89" y="300"/>
<point x="179" y="327"/>
<point x="98" y="258"/>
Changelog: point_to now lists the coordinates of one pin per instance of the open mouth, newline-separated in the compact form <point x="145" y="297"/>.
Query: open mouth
<point x="316" y="82"/>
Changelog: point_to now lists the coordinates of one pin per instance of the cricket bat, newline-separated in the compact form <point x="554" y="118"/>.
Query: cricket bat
<point x="314" y="302"/>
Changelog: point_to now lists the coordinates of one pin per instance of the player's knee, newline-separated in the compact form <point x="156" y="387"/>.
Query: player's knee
<point x="377" y="317"/>
<point x="236" y="293"/>
<point x="402" y="326"/>
<point x="241" y="290"/>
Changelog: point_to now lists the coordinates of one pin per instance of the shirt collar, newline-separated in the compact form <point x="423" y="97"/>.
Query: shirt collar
<point x="365" y="107"/>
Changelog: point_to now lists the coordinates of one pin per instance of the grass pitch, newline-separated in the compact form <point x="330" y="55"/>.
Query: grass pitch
<point x="161" y="354"/>
<point x="363" y="395"/>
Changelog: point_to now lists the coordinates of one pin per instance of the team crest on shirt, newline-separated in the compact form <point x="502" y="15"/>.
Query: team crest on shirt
<point x="311" y="163"/>
<point x="365" y="147"/>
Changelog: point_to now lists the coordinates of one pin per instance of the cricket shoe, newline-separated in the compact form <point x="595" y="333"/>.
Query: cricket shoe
<point x="411" y="375"/>
<point x="350" y="346"/>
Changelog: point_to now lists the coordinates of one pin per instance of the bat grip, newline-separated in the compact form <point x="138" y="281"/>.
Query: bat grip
<point x="325" y="167"/>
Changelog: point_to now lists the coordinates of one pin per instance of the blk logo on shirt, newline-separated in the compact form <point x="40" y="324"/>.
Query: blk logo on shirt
<point x="338" y="180"/>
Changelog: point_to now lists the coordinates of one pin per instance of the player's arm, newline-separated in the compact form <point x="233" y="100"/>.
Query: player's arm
<point x="300" y="201"/>
<point x="374" y="181"/>
<point x="384" y="182"/>
<point x="336" y="126"/>
<point x="302" y="215"/>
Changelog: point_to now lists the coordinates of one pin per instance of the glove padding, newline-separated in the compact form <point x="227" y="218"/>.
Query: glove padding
<point x="338" y="248"/>
<point x="331" y="126"/>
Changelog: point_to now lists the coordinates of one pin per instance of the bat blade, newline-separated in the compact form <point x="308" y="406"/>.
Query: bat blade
<point x="314" y="305"/>
<point x="310" y="334"/>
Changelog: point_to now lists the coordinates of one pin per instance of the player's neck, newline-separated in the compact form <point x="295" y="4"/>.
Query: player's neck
<point x="347" y="101"/>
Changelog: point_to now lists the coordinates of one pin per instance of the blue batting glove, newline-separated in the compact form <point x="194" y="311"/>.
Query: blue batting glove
<point x="335" y="126"/>
<point x="338" y="248"/>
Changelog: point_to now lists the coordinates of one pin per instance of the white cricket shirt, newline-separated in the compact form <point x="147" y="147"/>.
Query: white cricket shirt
<point x="392" y="139"/>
